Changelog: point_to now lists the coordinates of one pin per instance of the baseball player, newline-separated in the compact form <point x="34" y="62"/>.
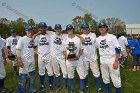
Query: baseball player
<point x="2" y="67"/>
<point x="73" y="64"/>
<point x="25" y="54"/>
<point x="42" y="40"/>
<point x="109" y="51"/>
<point x="123" y="43"/>
<point x="57" y="57"/>
<point x="11" y="46"/>
<point x="90" y="55"/>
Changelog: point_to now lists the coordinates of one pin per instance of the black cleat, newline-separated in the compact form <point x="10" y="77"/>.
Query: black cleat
<point x="42" y="89"/>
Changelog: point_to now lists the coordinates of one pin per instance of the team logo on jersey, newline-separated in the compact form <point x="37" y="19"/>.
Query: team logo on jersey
<point x="31" y="44"/>
<point x="43" y="41"/>
<point x="87" y="41"/>
<point x="14" y="42"/>
<point x="58" y="41"/>
<point x="103" y="44"/>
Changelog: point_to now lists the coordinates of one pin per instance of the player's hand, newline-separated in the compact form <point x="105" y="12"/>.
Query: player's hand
<point x="115" y="65"/>
<point x="5" y="62"/>
<point x="20" y="63"/>
<point x="78" y="56"/>
<point x="9" y="52"/>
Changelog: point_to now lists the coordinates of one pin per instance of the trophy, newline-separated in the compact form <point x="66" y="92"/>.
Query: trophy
<point x="71" y="47"/>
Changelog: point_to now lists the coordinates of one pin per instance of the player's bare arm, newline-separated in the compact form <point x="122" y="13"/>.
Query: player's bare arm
<point x="65" y="54"/>
<point x="115" y="65"/>
<point x="38" y="33"/>
<point x="81" y="38"/>
<point x="80" y="53"/>
<point x="4" y="57"/>
<point x="20" y="63"/>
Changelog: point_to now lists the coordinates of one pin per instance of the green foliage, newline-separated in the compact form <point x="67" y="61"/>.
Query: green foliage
<point x="116" y="25"/>
<point x="78" y="20"/>
<point x="130" y="81"/>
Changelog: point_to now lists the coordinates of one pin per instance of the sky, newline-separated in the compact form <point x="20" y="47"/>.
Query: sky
<point x="63" y="11"/>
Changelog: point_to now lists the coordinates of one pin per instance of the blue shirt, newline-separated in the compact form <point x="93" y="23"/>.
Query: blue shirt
<point x="136" y="47"/>
<point x="130" y="42"/>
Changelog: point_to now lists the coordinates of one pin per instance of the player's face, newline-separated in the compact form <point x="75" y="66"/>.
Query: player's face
<point x="13" y="34"/>
<point x="42" y="30"/>
<point x="103" y="30"/>
<point x="57" y="31"/>
<point x="85" y="30"/>
<point x="70" y="32"/>
<point x="29" y="33"/>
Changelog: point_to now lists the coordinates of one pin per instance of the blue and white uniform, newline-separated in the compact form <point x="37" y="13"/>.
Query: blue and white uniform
<point x="106" y="45"/>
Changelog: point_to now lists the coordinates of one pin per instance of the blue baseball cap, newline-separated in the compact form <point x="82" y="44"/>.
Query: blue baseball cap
<point x="13" y="31"/>
<point x="85" y="25"/>
<point x="57" y="26"/>
<point x="69" y="26"/>
<point x="28" y="28"/>
<point x="102" y="24"/>
<point x="42" y="24"/>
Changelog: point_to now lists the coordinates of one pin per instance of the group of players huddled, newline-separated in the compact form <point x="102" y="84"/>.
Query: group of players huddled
<point x="53" y="49"/>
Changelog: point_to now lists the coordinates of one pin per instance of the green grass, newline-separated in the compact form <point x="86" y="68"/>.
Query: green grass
<point x="130" y="81"/>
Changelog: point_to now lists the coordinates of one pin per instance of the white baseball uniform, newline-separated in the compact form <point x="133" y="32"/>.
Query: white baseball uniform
<point x="106" y="45"/>
<point x="43" y="44"/>
<point x="123" y="43"/>
<point x="57" y="56"/>
<point x="74" y="64"/>
<point x="12" y="42"/>
<point x="26" y="46"/>
<point x="2" y="68"/>
<point x="90" y="54"/>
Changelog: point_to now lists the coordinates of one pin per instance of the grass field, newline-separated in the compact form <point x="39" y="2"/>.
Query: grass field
<point x="130" y="81"/>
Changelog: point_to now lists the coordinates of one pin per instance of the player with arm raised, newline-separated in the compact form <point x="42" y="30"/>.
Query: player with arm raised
<point x="42" y="40"/>
<point x="26" y="62"/>
<point x="11" y="46"/>
<point x="109" y="51"/>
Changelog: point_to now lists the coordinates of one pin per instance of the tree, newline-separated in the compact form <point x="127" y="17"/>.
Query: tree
<point x="4" y="21"/>
<point x="31" y="22"/>
<point x="78" y="20"/>
<point x="116" y="25"/>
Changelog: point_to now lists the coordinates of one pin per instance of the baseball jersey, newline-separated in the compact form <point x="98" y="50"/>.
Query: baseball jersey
<point x="123" y="42"/>
<point x="106" y="45"/>
<point x="89" y="46"/>
<point x="78" y="46"/>
<point x="12" y="42"/>
<point x="43" y="44"/>
<point x="1" y="46"/>
<point x="56" y="45"/>
<point x="26" y="45"/>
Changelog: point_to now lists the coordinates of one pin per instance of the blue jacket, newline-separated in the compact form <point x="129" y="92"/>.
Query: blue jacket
<point x="136" y="47"/>
<point x="130" y="42"/>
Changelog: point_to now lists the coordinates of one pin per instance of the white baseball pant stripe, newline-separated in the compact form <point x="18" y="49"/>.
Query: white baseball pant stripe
<point x="2" y="69"/>
<point x="57" y="64"/>
<point x="80" y="70"/>
<point x="93" y="66"/>
<point x="28" y="67"/>
<point x="44" y="64"/>
<point x="108" y="72"/>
